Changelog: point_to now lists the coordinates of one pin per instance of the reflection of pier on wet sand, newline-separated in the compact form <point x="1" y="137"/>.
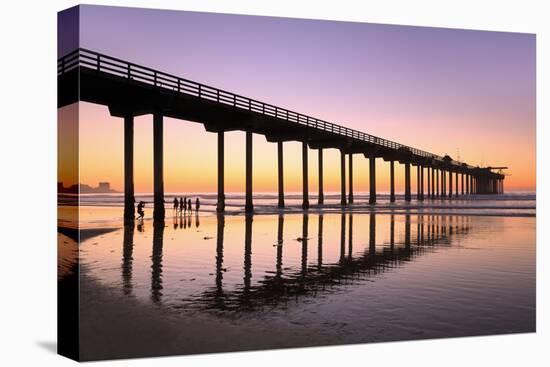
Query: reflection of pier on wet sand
<point x="256" y="282"/>
<point x="309" y="279"/>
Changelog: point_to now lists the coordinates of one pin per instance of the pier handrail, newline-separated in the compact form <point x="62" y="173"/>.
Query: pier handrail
<point x="82" y="57"/>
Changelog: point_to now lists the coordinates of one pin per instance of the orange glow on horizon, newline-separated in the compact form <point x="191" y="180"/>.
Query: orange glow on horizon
<point x="190" y="156"/>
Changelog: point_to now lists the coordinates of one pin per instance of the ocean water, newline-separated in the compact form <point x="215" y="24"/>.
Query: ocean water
<point x="107" y="207"/>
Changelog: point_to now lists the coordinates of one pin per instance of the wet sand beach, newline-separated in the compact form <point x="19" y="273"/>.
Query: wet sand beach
<point x="208" y="283"/>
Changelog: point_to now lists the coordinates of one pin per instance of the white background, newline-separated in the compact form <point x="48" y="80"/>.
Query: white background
<point x="28" y="167"/>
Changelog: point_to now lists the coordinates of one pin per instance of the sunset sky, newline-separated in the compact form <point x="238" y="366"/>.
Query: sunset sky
<point x="469" y="94"/>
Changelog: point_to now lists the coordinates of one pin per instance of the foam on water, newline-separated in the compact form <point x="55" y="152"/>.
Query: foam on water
<point x="509" y="204"/>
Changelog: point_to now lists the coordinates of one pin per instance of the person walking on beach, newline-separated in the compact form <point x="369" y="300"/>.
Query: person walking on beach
<point x="182" y="205"/>
<point x="140" y="211"/>
<point x="189" y="205"/>
<point x="197" y="205"/>
<point x="176" y="205"/>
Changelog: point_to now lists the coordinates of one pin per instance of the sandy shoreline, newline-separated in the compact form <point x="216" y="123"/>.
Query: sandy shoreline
<point x="114" y="324"/>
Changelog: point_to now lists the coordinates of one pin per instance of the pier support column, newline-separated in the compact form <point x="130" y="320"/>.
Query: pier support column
<point x="407" y="181"/>
<point x="372" y="179"/>
<point x="443" y="183"/>
<point x="305" y="181"/>
<point x="462" y="185"/>
<point x="129" y="199"/>
<point x="220" y="206"/>
<point x="350" y="163"/>
<point x="440" y="188"/>
<point x="280" y="176"/>
<point x="158" y="166"/>
<point x="428" y="169"/>
<point x="421" y="183"/>
<point x="418" y="182"/>
<point x="249" y="206"/>
<point x="433" y="180"/>
<point x="321" y="196"/>
<point x="392" y="182"/>
<point x="342" y="178"/>
<point x="450" y="183"/>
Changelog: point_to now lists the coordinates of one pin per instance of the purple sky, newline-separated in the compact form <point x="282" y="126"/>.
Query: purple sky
<point x="432" y="88"/>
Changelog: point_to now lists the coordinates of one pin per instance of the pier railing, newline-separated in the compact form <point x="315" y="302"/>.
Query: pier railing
<point x="103" y="63"/>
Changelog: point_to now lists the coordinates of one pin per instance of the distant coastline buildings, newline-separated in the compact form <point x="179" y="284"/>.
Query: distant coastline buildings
<point x="102" y="188"/>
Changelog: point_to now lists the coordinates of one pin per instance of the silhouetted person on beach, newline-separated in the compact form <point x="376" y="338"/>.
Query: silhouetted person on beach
<point x="182" y="205"/>
<point x="197" y="205"/>
<point x="140" y="211"/>
<point x="189" y="205"/>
